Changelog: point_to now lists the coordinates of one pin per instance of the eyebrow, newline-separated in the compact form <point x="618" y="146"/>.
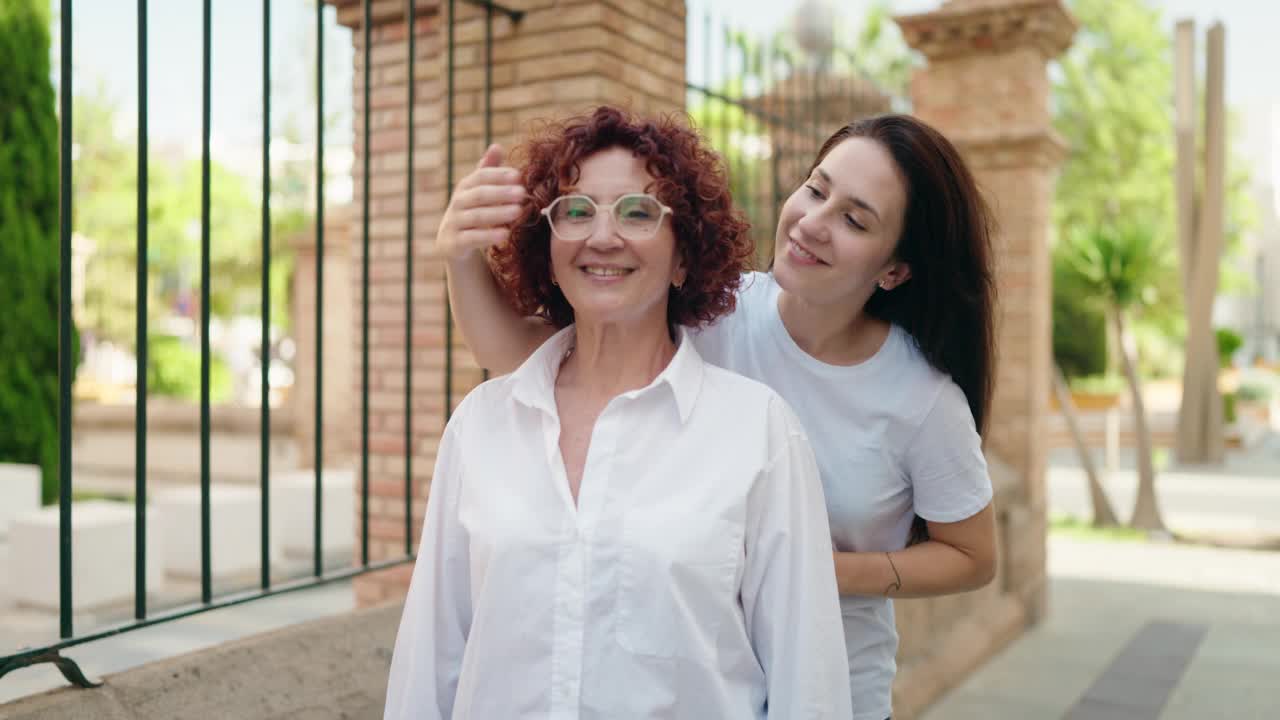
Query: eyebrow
<point x="852" y="198"/>
<point x="573" y="190"/>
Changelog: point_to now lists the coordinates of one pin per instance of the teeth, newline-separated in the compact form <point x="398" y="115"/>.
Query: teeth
<point x="804" y="253"/>
<point x="606" y="271"/>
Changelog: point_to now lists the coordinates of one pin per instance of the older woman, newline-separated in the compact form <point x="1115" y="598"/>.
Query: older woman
<point x="617" y="529"/>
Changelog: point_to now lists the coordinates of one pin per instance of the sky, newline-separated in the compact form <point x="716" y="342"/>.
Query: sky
<point x="105" y="42"/>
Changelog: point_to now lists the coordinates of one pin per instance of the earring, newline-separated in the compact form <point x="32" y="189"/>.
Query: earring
<point x="882" y="287"/>
<point x="678" y="285"/>
<point x="553" y="282"/>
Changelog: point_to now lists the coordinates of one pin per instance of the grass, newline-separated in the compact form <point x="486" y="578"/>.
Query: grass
<point x="1080" y="529"/>
<point x="86" y="495"/>
<point x="1075" y="527"/>
<point x="1099" y="384"/>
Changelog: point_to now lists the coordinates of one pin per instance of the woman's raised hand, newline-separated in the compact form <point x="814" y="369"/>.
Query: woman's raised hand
<point x="484" y="204"/>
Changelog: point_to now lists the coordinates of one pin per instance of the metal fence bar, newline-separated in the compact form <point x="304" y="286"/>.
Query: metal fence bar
<point x="723" y="79"/>
<point x="410" y="23"/>
<point x="750" y="130"/>
<point x="815" y="92"/>
<point x="264" y="459"/>
<point x="488" y="99"/>
<point x="448" y="185"/>
<point x="66" y="363"/>
<point x="319" y="422"/>
<point x="364" y="310"/>
<point x="140" y="384"/>
<point x="206" y="570"/>
<point x="770" y="105"/>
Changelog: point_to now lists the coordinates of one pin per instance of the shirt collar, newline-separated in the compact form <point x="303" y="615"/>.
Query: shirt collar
<point x="534" y="382"/>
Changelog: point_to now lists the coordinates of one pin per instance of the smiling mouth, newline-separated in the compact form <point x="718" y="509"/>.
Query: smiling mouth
<point x="802" y="252"/>
<point x="605" y="272"/>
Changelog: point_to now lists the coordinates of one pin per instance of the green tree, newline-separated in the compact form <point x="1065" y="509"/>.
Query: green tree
<point x="29" y="262"/>
<point x="1114" y="212"/>
<point x="105" y="192"/>
<point x="1112" y="104"/>
<point x="1125" y="271"/>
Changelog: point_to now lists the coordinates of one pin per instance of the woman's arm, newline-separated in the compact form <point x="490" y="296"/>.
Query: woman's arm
<point x="957" y="557"/>
<point x="437" y="611"/>
<point x="483" y="204"/>
<point x="788" y="589"/>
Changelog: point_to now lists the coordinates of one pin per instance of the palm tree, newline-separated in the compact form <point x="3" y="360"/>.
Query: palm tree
<point x="1103" y="515"/>
<point x="1127" y="269"/>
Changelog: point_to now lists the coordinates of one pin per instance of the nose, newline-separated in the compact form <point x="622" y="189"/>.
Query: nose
<point x="812" y="225"/>
<point x="604" y="233"/>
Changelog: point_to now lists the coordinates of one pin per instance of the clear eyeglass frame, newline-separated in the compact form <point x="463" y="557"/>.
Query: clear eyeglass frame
<point x="629" y="232"/>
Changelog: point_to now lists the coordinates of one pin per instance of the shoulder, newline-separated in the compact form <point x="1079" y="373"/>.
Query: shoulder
<point x="755" y="290"/>
<point x="905" y="385"/>
<point x="741" y="398"/>
<point x="487" y="400"/>
<point x="719" y="340"/>
<point x="721" y="386"/>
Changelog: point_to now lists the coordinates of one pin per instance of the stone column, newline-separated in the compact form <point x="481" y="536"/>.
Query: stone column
<point x="559" y="57"/>
<point x="987" y="88"/>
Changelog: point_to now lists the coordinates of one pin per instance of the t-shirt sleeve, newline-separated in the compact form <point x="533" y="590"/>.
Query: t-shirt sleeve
<point x="944" y="461"/>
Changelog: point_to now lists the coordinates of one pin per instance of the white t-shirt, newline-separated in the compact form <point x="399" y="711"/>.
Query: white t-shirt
<point x="893" y="437"/>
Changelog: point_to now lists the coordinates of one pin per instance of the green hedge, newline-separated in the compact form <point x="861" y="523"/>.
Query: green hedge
<point x="28" y="242"/>
<point x="1079" y="327"/>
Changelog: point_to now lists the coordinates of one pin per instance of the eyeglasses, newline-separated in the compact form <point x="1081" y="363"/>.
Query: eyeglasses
<point x="637" y="216"/>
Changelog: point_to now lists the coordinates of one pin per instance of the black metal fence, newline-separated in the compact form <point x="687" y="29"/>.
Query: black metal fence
<point x="765" y="105"/>
<point x="142" y="615"/>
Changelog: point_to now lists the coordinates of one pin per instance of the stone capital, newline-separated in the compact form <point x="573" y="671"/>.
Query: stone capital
<point x="962" y="28"/>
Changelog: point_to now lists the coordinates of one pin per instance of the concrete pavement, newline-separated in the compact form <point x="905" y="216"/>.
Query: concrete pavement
<point x="1103" y="595"/>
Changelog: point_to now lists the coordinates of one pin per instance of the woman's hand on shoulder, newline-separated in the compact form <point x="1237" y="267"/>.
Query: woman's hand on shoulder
<point x="483" y="206"/>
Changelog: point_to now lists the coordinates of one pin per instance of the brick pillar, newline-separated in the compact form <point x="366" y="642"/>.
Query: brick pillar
<point x="560" y="57"/>
<point x="986" y="87"/>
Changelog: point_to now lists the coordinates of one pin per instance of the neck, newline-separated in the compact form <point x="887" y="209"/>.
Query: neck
<point x="609" y="359"/>
<point x="842" y="334"/>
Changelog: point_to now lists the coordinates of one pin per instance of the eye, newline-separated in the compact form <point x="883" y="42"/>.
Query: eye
<point x="854" y="223"/>
<point x="814" y="192"/>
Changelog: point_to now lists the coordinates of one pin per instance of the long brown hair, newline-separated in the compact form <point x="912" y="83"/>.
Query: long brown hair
<point x="948" y="304"/>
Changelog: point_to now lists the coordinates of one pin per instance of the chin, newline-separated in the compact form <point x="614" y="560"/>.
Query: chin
<point x="786" y="276"/>
<point x="803" y="285"/>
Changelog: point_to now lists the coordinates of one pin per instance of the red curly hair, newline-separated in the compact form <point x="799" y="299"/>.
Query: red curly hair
<point x="711" y="235"/>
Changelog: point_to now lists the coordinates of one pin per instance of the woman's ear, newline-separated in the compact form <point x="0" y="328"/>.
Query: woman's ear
<point x="897" y="274"/>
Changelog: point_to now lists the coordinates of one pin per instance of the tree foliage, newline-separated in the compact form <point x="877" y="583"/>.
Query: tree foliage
<point x="29" y="248"/>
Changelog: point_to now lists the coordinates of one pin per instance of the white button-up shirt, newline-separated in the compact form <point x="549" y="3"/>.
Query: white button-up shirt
<point x="693" y="579"/>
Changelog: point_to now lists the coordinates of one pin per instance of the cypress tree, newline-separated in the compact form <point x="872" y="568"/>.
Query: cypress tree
<point x="28" y="242"/>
